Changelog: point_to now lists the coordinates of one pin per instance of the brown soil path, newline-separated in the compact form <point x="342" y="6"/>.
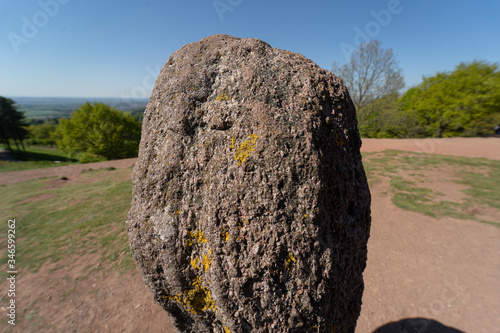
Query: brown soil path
<point x="68" y="171"/>
<point x="467" y="147"/>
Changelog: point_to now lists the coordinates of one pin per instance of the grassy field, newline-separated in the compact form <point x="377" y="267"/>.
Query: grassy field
<point x="439" y="185"/>
<point x="85" y="216"/>
<point x="42" y="113"/>
<point x="37" y="157"/>
<point x="89" y="215"/>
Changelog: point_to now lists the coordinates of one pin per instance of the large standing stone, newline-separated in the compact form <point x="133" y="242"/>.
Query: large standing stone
<point x="251" y="210"/>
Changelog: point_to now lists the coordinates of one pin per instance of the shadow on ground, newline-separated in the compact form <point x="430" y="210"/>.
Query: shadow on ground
<point x="416" y="325"/>
<point x="36" y="156"/>
<point x="5" y="156"/>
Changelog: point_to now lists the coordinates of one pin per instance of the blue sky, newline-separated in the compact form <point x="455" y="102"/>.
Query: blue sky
<point x="76" y="48"/>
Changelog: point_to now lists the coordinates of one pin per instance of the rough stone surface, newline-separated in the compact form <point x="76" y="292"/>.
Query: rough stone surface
<point x="251" y="209"/>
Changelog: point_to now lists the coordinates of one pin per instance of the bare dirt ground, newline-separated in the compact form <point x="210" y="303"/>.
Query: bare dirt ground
<point x="423" y="274"/>
<point x="68" y="171"/>
<point x="487" y="147"/>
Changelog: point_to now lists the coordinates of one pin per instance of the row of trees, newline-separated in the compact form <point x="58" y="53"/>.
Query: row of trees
<point x="463" y="102"/>
<point x="93" y="130"/>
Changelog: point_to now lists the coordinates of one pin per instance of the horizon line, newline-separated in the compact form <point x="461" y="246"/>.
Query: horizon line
<point x="77" y="97"/>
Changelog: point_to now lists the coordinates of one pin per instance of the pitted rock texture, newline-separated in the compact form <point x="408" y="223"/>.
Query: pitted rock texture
<point x="251" y="209"/>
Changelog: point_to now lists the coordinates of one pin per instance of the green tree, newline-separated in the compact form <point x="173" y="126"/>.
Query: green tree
<point x="42" y="134"/>
<point x="100" y="130"/>
<point x="12" y="124"/>
<point x="464" y="102"/>
<point x="138" y="114"/>
<point x="380" y="118"/>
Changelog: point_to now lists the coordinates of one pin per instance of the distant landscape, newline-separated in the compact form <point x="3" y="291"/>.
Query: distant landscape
<point x="43" y="108"/>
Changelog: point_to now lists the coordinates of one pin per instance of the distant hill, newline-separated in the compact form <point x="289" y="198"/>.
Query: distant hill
<point x="42" y="108"/>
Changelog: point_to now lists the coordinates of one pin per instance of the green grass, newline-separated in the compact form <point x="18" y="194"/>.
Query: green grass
<point x="77" y="219"/>
<point x="37" y="157"/>
<point x="398" y="184"/>
<point x="483" y="188"/>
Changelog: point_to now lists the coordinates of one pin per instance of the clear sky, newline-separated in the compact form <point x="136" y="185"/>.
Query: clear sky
<point x="110" y="48"/>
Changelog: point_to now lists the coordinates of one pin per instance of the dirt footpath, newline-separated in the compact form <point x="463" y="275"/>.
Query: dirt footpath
<point x="68" y="171"/>
<point x="467" y="147"/>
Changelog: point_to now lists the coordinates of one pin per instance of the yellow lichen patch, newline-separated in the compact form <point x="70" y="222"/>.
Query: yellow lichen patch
<point x="206" y="262"/>
<point x="199" y="299"/>
<point x="290" y="261"/>
<point x="225" y="235"/>
<point x="195" y="262"/>
<point x="305" y="216"/>
<point x="196" y="236"/>
<point x="232" y="143"/>
<point x="177" y="298"/>
<point x="196" y="300"/>
<point x="339" y="141"/>
<point x="222" y="97"/>
<point x="179" y="212"/>
<point x="226" y="330"/>
<point x="245" y="149"/>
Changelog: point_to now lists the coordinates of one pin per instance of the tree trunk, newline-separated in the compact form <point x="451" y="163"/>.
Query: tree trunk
<point x="440" y="132"/>
<point x="442" y="127"/>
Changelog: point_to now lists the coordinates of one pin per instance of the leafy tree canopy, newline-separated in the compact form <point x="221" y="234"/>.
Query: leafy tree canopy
<point x="12" y="123"/>
<point x="100" y="130"/>
<point x="42" y="134"/>
<point x="465" y="101"/>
